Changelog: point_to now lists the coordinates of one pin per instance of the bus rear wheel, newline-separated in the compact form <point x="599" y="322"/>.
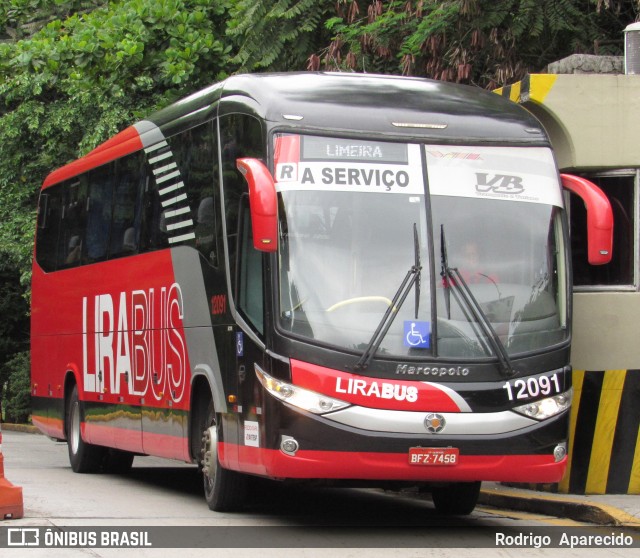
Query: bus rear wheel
<point x="224" y="490"/>
<point x="457" y="498"/>
<point x="84" y="457"/>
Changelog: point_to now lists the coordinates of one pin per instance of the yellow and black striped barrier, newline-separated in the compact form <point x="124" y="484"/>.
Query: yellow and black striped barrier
<point x="604" y="444"/>
<point x="533" y="87"/>
<point x="604" y="435"/>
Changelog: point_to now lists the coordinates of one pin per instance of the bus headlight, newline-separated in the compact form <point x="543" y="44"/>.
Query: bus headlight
<point x="299" y="397"/>
<point x="546" y="408"/>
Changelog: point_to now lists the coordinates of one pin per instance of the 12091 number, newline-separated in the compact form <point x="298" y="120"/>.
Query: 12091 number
<point x="532" y="387"/>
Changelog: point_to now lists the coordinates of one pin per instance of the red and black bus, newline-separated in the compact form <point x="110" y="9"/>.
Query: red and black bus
<point x="349" y="278"/>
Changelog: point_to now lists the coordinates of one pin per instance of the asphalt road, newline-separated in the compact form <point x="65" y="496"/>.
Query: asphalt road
<point x="279" y="521"/>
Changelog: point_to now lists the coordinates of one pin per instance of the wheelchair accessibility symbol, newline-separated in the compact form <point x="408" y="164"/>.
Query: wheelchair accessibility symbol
<point x="417" y="334"/>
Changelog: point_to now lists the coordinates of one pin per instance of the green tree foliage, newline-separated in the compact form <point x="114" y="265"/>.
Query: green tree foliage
<point x="21" y="18"/>
<point x="72" y="74"/>
<point x="17" y="395"/>
<point x="79" y="80"/>
<point x="278" y="35"/>
<point x="14" y="326"/>
<point x="485" y="42"/>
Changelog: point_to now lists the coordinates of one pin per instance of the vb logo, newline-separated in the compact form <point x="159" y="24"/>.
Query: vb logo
<point x="499" y="183"/>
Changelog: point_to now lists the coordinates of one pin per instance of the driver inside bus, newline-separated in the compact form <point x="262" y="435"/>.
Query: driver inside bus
<point x="472" y="270"/>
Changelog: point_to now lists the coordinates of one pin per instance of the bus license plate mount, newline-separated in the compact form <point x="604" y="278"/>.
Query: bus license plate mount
<point x="434" y="457"/>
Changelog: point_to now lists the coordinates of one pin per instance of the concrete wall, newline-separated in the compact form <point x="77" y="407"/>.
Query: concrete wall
<point x="593" y="122"/>
<point x="606" y="331"/>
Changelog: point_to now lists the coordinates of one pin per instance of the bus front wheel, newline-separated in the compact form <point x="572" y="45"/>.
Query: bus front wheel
<point x="84" y="457"/>
<point x="224" y="490"/>
<point x="457" y="498"/>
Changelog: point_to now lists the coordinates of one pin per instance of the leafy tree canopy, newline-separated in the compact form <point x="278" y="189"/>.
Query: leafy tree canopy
<point x="278" y="35"/>
<point x="485" y="42"/>
<point x="82" y="78"/>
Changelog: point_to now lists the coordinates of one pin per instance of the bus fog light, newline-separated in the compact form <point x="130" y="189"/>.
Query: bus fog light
<point x="289" y="446"/>
<point x="560" y="452"/>
<point x="326" y="404"/>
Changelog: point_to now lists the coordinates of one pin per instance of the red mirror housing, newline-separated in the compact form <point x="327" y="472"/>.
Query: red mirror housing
<point x="599" y="218"/>
<point x="263" y="202"/>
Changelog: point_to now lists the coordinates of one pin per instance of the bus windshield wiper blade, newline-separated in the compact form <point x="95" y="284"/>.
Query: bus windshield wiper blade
<point x="412" y="277"/>
<point x="418" y="266"/>
<point x="454" y="280"/>
<point x="444" y="267"/>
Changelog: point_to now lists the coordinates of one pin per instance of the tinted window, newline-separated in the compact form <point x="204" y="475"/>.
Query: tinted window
<point x="241" y="136"/>
<point x="249" y="281"/>
<point x="620" y="191"/>
<point x="126" y="221"/>
<point x="99" y="205"/>
<point x="166" y="195"/>
<point x="74" y="222"/>
<point x="49" y="217"/>
<point x="195" y="157"/>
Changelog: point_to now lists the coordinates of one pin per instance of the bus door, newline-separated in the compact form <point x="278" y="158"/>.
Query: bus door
<point x="248" y="347"/>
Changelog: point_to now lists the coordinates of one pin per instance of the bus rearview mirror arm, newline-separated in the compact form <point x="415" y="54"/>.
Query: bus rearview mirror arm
<point x="599" y="218"/>
<point x="263" y="203"/>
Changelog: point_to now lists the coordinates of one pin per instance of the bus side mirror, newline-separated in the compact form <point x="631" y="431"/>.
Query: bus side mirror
<point x="599" y="218"/>
<point x="263" y="203"/>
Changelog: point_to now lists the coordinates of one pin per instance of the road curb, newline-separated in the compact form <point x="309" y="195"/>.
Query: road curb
<point x="585" y="511"/>
<point x="19" y="428"/>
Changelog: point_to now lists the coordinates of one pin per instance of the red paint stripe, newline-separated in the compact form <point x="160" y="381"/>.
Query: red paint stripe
<point x="394" y="466"/>
<point x="53" y="427"/>
<point x="107" y="152"/>
<point x="375" y="393"/>
<point x="287" y="149"/>
<point x="127" y="134"/>
<point x="159" y="445"/>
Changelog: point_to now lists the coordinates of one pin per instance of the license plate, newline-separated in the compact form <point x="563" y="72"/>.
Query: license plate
<point x="434" y="457"/>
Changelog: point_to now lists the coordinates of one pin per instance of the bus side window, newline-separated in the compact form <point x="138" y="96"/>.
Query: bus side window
<point x="249" y="279"/>
<point x="620" y="190"/>
<point x="99" y="208"/>
<point x="195" y="153"/>
<point x="127" y="208"/>
<point x="49" y="215"/>
<point x="240" y="136"/>
<point x="73" y="223"/>
<point x="154" y="226"/>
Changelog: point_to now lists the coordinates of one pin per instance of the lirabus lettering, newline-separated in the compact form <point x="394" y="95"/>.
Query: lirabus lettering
<point x="136" y="345"/>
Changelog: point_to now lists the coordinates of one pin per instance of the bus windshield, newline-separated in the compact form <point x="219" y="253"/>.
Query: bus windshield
<point x="355" y="217"/>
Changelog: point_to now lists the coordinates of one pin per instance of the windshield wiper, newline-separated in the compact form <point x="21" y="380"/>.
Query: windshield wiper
<point x="412" y="277"/>
<point x="417" y="266"/>
<point x="454" y="282"/>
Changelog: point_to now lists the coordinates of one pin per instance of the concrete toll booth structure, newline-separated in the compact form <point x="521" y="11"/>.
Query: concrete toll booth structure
<point x="591" y="110"/>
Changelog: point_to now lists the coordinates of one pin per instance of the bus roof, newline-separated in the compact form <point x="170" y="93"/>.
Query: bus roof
<point x="372" y="104"/>
<point x="346" y="104"/>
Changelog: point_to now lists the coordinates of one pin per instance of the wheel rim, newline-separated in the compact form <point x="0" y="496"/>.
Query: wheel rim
<point x="210" y="455"/>
<point x="75" y="428"/>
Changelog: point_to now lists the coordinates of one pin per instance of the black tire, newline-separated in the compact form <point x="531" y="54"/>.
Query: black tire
<point x="457" y="498"/>
<point x="84" y="458"/>
<point x="117" y="461"/>
<point x="224" y="490"/>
